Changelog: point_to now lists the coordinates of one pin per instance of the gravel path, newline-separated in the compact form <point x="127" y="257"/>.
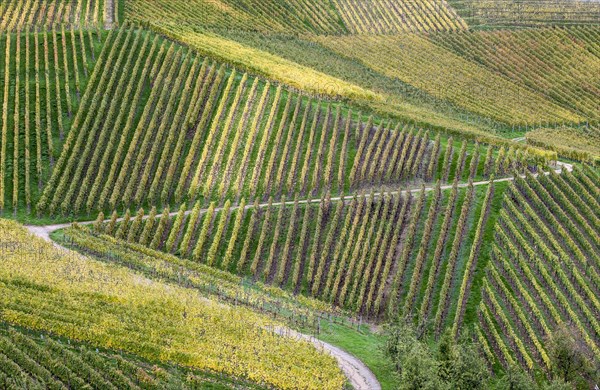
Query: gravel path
<point x="45" y="231"/>
<point x="359" y="375"/>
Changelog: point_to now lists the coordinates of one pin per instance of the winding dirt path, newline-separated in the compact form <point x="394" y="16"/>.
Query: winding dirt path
<point x="45" y="231"/>
<point x="357" y="372"/>
<point x="359" y="375"/>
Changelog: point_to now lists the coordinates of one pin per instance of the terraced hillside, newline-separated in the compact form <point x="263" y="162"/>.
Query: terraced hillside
<point x="42" y="79"/>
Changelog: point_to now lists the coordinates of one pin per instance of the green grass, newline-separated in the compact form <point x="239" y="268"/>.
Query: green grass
<point x="367" y="345"/>
<point x="487" y="241"/>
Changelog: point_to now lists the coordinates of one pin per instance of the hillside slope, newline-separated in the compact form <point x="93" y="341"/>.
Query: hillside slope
<point x="18" y="15"/>
<point x="416" y="61"/>
<point x="33" y="360"/>
<point x="58" y="291"/>
<point x="562" y="64"/>
<point x="545" y="268"/>
<point x="194" y="129"/>
<point x="42" y="79"/>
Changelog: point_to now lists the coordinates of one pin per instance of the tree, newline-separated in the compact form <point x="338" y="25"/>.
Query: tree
<point x="400" y="340"/>
<point x="446" y="355"/>
<point x="449" y="365"/>
<point x="515" y="379"/>
<point x="419" y="371"/>
<point x="469" y="370"/>
<point x="570" y="359"/>
<point x="557" y="384"/>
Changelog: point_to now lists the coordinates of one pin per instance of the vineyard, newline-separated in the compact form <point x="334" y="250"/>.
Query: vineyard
<point x="315" y="76"/>
<point x="377" y="236"/>
<point x="40" y="361"/>
<point x="285" y="194"/>
<point x="111" y="307"/>
<point x="581" y="144"/>
<point x="417" y="61"/>
<point x="301" y="16"/>
<point x="386" y="17"/>
<point x="544" y="268"/>
<point x="562" y="64"/>
<point x="420" y="254"/>
<point x="208" y="281"/>
<point x="42" y="78"/>
<point x="269" y="65"/>
<point x="18" y="15"/>
<point x="208" y="132"/>
<point x="315" y="17"/>
<point x="486" y="84"/>
<point x="503" y="14"/>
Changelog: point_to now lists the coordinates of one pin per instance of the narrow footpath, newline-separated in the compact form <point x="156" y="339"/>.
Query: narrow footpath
<point x="45" y="231"/>
<point x="358" y="374"/>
